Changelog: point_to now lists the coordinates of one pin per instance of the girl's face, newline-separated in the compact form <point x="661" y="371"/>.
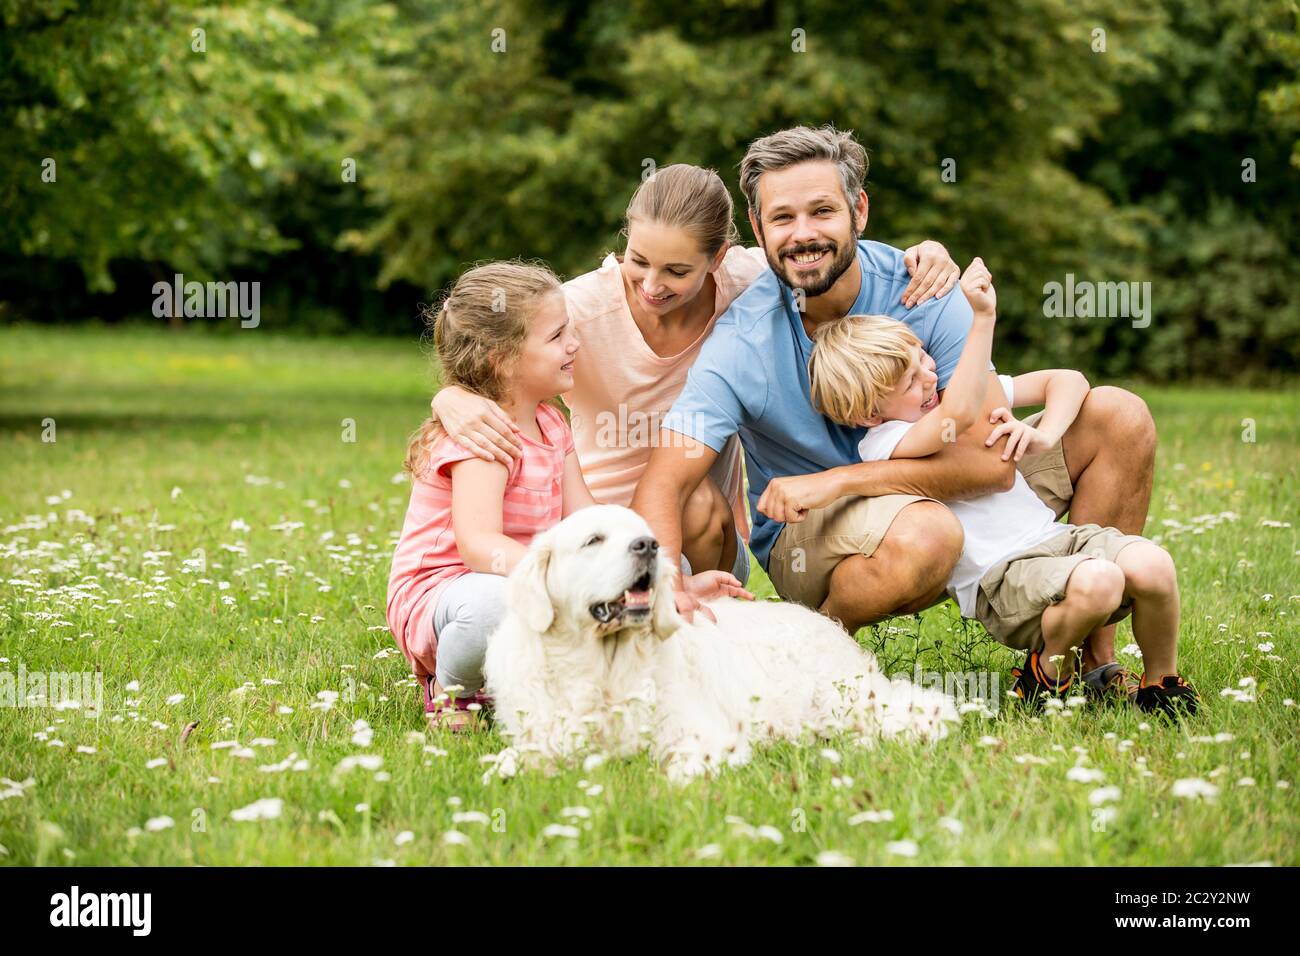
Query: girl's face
<point x="545" y="365"/>
<point x="664" y="266"/>
<point x="914" y="395"/>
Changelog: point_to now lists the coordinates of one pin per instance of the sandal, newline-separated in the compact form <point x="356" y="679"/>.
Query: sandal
<point x="1032" y="686"/>
<point x="457" y="714"/>
<point x="1171" y="696"/>
<point x="1111" y="682"/>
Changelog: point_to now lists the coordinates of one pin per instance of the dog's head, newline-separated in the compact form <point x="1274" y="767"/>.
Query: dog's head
<point x="598" y="571"/>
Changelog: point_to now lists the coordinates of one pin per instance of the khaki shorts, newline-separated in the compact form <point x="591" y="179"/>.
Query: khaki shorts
<point x="1014" y="593"/>
<point x="805" y="554"/>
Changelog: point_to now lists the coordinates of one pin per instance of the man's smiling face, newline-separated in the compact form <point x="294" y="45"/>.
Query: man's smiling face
<point x="807" y="228"/>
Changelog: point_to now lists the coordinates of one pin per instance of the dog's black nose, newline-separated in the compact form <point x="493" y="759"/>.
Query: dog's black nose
<point x="643" y="547"/>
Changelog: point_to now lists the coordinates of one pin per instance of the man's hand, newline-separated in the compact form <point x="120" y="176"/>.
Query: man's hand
<point x="691" y="592"/>
<point x="1022" y="439"/>
<point x="933" y="273"/>
<point x="710" y="585"/>
<point x="789" y="499"/>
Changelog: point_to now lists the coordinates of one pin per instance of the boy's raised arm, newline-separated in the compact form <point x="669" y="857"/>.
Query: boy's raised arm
<point x="963" y="399"/>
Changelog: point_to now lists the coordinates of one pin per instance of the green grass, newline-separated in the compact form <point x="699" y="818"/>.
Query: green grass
<point x="164" y="440"/>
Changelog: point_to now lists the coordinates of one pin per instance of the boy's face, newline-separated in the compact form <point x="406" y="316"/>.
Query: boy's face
<point x="914" y="395"/>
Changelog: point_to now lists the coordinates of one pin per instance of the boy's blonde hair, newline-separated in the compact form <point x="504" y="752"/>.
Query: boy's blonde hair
<point x="478" y="329"/>
<point x="856" y="362"/>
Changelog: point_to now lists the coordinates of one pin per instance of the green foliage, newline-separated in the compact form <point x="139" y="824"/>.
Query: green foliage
<point x="168" y="142"/>
<point x="1102" y="139"/>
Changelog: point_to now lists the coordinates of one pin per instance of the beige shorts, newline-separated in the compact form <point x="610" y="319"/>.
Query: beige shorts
<point x="1014" y="593"/>
<point x="805" y="554"/>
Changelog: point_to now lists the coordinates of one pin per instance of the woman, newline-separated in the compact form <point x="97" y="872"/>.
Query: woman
<point x="642" y="318"/>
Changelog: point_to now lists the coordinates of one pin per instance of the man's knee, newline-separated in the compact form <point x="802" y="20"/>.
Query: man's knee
<point x="1125" y="419"/>
<point x="702" y="519"/>
<point x="924" y="536"/>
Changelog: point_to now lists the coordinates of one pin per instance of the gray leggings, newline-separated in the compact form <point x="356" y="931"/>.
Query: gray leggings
<point x="468" y="611"/>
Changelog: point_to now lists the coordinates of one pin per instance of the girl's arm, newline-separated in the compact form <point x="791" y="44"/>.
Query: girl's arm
<point x="576" y="493"/>
<point x="963" y="399"/>
<point x="478" y="491"/>
<point x="1060" y="390"/>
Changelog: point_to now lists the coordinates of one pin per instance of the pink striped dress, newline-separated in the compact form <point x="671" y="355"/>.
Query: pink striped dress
<point x="426" y="559"/>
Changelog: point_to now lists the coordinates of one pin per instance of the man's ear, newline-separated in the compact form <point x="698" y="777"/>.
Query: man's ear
<point x="666" y="620"/>
<point x="753" y="224"/>
<point x="860" y="210"/>
<point x="528" y="593"/>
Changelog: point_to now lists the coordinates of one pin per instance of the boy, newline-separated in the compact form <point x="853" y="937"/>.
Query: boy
<point x="1036" y="585"/>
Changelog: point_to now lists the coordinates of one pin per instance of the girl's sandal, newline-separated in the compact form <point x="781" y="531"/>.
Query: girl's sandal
<point x="456" y="714"/>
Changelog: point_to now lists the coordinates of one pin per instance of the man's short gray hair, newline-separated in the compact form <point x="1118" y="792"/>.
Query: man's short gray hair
<point x="800" y="144"/>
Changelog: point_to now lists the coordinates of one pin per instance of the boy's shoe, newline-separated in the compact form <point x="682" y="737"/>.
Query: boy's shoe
<point x="1173" y="696"/>
<point x="1031" y="685"/>
<point x="1111" y="682"/>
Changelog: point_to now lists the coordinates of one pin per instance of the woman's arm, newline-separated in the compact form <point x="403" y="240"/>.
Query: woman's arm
<point x="478" y="491"/>
<point x="576" y="493"/>
<point x="477" y="424"/>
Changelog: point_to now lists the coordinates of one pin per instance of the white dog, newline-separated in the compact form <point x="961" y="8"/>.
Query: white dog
<point x="592" y="656"/>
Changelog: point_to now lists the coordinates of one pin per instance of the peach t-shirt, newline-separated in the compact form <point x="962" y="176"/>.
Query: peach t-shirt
<point x="622" y="388"/>
<point x="426" y="558"/>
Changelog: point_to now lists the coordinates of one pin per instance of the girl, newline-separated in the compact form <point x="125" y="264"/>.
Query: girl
<point x="503" y="334"/>
<point x="643" y="318"/>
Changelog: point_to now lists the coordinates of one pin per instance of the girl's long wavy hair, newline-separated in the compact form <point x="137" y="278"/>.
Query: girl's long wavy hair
<point x="478" y="330"/>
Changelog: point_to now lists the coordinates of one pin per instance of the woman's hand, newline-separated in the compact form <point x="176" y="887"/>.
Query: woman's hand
<point x="1022" y="439"/>
<point x="932" y="270"/>
<point x="479" y="424"/>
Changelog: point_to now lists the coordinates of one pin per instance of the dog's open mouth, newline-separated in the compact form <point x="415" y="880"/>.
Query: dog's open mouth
<point x="635" y="602"/>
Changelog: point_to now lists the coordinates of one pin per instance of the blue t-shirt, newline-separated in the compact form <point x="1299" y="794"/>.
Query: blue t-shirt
<point x="751" y="376"/>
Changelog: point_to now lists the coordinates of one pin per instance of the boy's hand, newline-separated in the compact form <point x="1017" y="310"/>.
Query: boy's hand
<point x="977" y="284"/>
<point x="1022" y="439"/>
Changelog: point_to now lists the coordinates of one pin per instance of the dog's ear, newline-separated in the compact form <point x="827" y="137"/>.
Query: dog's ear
<point x="666" y="620"/>
<point x="528" y="593"/>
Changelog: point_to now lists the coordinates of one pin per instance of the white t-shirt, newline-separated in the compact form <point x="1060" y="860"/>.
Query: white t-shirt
<point x="996" y="525"/>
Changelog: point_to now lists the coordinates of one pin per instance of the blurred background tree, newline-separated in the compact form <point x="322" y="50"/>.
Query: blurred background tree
<point x="1095" y="138"/>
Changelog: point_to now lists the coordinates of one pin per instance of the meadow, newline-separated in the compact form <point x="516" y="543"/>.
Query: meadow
<point x="202" y="526"/>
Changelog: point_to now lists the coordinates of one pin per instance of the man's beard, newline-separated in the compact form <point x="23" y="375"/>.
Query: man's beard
<point x="813" y="284"/>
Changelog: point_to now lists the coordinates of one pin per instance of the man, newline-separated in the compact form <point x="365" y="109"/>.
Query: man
<point x="862" y="541"/>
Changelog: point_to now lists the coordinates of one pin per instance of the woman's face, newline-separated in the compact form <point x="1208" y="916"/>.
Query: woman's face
<point x="664" y="266"/>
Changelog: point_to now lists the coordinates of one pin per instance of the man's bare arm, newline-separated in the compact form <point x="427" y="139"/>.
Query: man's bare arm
<point x="961" y="469"/>
<point x="676" y="468"/>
